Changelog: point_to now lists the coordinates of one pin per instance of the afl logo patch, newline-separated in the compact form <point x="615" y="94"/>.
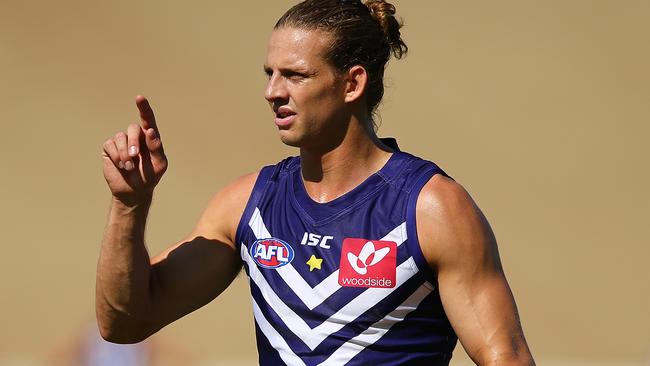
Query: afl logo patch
<point x="271" y="253"/>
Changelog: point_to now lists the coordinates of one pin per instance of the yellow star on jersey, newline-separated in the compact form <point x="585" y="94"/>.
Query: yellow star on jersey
<point x="314" y="262"/>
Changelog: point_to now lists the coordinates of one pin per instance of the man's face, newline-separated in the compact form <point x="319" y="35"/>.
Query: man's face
<point x="305" y="92"/>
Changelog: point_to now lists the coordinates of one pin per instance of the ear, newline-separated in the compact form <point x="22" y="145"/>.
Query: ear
<point x="356" y="82"/>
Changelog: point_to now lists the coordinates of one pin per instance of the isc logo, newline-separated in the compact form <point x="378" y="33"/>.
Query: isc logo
<point x="316" y="240"/>
<point x="271" y="253"/>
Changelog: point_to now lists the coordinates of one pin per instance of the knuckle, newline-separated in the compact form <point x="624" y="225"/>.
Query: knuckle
<point x="120" y="135"/>
<point x="133" y="129"/>
<point x="154" y="146"/>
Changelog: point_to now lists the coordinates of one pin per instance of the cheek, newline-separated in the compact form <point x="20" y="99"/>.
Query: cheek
<point x="319" y="103"/>
<point x="328" y="99"/>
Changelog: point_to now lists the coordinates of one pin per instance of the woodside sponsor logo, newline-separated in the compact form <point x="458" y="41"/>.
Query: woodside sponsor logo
<point x="368" y="263"/>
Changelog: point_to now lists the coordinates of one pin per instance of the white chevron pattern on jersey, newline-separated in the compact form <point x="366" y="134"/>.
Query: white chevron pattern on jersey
<point x="276" y="340"/>
<point x="313" y="297"/>
<point x="349" y="312"/>
<point x="351" y="348"/>
<point x="352" y="310"/>
<point x="374" y="333"/>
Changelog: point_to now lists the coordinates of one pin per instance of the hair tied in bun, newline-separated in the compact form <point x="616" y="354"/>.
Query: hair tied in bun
<point x="361" y="32"/>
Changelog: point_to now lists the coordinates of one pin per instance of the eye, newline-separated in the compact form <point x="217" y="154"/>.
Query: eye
<point x="294" y="75"/>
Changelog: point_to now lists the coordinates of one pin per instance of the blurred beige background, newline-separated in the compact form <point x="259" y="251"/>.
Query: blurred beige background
<point x="541" y="109"/>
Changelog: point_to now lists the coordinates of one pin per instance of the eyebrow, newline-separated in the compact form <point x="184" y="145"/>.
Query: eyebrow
<point x="297" y="69"/>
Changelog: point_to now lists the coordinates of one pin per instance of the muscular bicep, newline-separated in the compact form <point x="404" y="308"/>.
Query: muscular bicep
<point x="193" y="272"/>
<point x="189" y="276"/>
<point x="457" y="241"/>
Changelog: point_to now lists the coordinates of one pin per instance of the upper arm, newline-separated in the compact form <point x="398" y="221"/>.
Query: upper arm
<point x="193" y="272"/>
<point x="459" y="245"/>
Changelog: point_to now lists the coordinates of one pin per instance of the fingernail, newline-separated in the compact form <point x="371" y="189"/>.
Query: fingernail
<point x="120" y="164"/>
<point x="128" y="165"/>
<point x="133" y="151"/>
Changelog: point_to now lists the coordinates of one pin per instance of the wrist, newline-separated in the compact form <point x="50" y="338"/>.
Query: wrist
<point x="126" y="205"/>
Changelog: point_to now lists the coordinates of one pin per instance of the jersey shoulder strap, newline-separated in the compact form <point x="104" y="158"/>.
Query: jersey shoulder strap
<point x="266" y="176"/>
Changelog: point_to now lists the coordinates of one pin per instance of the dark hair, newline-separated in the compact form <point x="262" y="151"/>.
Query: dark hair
<point x="363" y="34"/>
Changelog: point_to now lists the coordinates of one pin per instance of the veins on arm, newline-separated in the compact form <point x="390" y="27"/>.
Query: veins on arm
<point x="180" y="280"/>
<point x="195" y="271"/>
<point x="459" y="245"/>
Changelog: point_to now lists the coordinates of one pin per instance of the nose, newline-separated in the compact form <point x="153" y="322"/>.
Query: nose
<point x="275" y="89"/>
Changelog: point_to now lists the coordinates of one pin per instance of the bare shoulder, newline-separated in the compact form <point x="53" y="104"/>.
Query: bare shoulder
<point x="224" y="210"/>
<point x="451" y="227"/>
<point x="459" y="245"/>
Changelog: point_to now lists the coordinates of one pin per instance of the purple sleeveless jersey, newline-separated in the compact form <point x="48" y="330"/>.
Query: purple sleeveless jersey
<point x="344" y="282"/>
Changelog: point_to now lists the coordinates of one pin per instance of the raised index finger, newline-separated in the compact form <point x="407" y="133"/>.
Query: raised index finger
<point x="146" y="114"/>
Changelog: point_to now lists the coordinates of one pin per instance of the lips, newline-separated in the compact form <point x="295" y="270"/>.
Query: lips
<point x="284" y="117"/>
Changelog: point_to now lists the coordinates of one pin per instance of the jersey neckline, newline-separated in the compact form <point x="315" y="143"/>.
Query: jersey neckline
<point x="320" y="213"/>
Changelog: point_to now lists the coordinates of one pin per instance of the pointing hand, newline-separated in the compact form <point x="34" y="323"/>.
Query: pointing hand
<point x="134" y="161"/>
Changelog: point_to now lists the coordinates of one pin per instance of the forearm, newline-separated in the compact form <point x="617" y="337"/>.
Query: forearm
<point x="123" y="275"/>
<point x="490" y="329"/>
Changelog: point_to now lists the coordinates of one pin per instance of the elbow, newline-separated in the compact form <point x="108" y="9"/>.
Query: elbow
<point x="509" y="359"/>
<point x="513" y="353"/>
<point x="119" y="326"/>
<point x="121" y="333"/>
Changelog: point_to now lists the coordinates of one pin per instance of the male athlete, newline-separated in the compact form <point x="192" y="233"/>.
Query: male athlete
<point x="357" y="253"/>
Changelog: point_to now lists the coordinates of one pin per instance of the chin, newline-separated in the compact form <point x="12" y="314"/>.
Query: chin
<point x="289" y="139"/>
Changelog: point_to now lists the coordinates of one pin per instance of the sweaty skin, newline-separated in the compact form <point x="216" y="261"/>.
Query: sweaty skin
<point x="323" y="112"/>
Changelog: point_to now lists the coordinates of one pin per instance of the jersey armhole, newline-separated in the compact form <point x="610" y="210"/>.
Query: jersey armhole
<point x="258" y="191"/>
<point x="413" y="243"/>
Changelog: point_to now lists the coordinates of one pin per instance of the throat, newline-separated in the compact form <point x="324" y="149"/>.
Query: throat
<point x="331" y="177"/>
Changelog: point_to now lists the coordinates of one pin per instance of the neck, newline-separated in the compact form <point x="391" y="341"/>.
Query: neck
<point x="330" y="174"/>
